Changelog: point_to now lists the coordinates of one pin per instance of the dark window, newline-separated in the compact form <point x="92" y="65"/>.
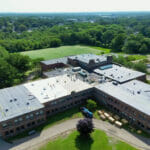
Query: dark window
<point x="17" y="128"/>
<point x="47" y="112"/>
<point x="6" y="133"/>
<point x="29" y="124"/>
<point x="11" y="131"/>
<point x="33" y="123"/>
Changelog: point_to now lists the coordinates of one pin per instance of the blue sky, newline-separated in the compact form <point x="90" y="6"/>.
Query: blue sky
<point x="73" y="5"/>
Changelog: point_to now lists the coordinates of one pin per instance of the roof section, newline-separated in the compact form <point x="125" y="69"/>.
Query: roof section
<point x="85" y="58"/>
<point x="134" y="93"/>
<point x="16" y="101"/>
<point x="52" y="88"/>
<point x="119" y="73"/>
<point x="54" y="61"/>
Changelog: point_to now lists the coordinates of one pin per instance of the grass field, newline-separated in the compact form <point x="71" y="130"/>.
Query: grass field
<point x="51" y="53"/>
<point x="98" y="141"/>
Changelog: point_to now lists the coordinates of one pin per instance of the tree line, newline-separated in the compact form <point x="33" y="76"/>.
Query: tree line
<point x="121" y="34"/>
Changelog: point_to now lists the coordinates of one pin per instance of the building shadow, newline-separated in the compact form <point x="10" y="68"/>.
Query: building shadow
<point x="83" y="142"/>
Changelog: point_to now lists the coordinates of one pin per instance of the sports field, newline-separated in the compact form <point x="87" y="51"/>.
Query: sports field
<point x="98" y="141"/>
<point x="51" y="53"/>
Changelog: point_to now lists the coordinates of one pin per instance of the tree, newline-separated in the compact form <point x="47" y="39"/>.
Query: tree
<point x="3" y="53"/>
<point x="131" y="46"/>
<point x="140" y="67"/>
<point x="91" y="105"/>
<point x="143" y="48"/>
<point x="118" y="42"/>
<point x="85" y="126"/>
<point x="22" y="63"/>
<point x="7" y="74"/>
<point x="22" y="28"/>
<point x="55" y="43"/>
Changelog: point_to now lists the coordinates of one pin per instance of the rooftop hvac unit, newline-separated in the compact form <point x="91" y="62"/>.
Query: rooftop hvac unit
<point x="115" y="83"/>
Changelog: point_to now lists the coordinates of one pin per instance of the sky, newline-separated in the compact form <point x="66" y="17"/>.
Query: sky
<point x="73" y="5"/>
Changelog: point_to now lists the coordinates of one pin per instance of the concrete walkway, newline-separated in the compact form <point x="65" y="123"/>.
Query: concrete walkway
<point x="34" y="142"/>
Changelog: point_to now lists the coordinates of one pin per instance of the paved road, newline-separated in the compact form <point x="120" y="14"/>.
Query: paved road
<point x="35" y="141"/>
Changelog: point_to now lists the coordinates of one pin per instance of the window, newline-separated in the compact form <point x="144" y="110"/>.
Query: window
<point x="11" y="131"/>
<point x="31" y="115"/>
<point x="20" y="119"/>
<point x="41" y="112"/>
<point x="5" y="125"/>
<point x="47" y="112"/>
<point x="29" y="124"/>
<point x="37" y="113"/>
<point x="6" y="133"/>
<point x="27" y="116"/>
<point x="16" y="121"/>
<point x="18" y="128"/>
<point x="33" y="123"/>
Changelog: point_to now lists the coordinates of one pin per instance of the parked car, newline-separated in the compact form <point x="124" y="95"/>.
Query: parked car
<point x="86" y="112"/>
<point x="31" y="132"/>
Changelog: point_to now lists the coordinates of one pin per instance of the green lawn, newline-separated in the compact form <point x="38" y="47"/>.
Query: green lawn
<point x="98" y="141"/>
<point x="51" y="53"/>
<point x="104" y="50"/>
<point x="136" y="57"/>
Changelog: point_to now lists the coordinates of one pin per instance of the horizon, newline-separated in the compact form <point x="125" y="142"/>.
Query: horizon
<point x="71" y="6"/>
<point x="134" y="11"/>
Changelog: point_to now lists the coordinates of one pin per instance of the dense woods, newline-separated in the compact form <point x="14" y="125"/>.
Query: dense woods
<point x="12" y="68"/>
<point x="127" y="33"/>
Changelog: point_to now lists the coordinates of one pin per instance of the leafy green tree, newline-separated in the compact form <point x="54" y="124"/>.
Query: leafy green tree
<point x="118" y="42"/>
<point x="7" y="74"/>
<point x="91" y="105"/>
<point x="140" y="67"/>
<point x="22" y="63"/>
<point x="143" y="48"/>
<point x="55" y="43"/>
<point x="22" y="28"/>
<point x="3" y="53"/>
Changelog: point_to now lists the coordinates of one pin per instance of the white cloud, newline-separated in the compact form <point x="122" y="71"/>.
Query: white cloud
<point x="73" y="5"/>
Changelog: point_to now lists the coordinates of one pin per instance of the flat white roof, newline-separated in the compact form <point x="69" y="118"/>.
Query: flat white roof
<point x="134" y="93"/>
<point x="56" y="87"/>
<point x="16" y="101"/>
<point x="119" y="73"/>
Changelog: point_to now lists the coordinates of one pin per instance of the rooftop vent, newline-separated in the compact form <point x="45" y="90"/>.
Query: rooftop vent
<point x="6" y="110"/>
<point x="27" y="103"/>
<point x="15" y="99"/>
<point x="138" y="92"/>
<point x="10" y="100"/>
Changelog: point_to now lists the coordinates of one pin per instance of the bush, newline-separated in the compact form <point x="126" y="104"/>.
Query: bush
<point x="85" y="126"/>
<point x="91" y="105"/>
